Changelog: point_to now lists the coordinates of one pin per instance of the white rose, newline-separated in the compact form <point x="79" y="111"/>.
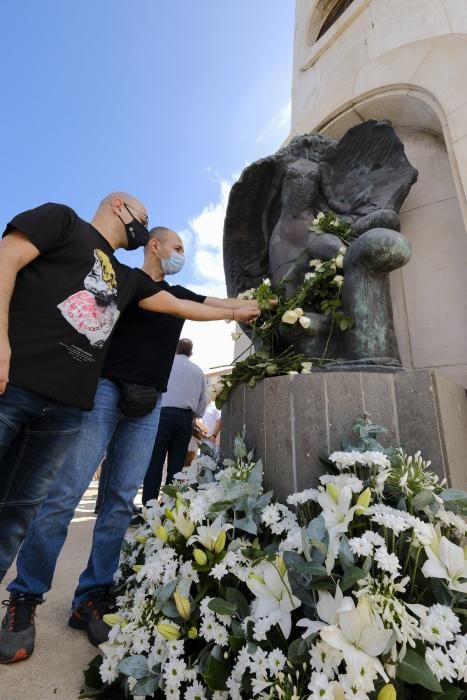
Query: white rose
<point x="340" y="261"/>
<point x="315" y="222"/>
<point x="310" y="276"/>
<point x="307" y="366"/>
<point x="298" y="311"/>
<point x="304" y="321"/>
<point x="320" y="216"/>
<point x="342" y="250"/>
<point x="315" y="262"/>
<point x="289" y="317"/>
<point x="338" y="280"/>
<point x="267" y="282"/>
<point x="335" y="222"/>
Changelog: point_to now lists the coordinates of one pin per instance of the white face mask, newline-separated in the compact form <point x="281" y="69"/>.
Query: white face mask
<point x="173" y="264"/>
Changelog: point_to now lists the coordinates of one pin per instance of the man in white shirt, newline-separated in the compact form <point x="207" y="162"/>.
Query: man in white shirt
<point x="212" y="420"/>
<point x="184" y="399"/>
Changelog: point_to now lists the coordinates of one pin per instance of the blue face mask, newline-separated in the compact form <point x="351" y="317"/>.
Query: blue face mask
<point x="172" y="265"/>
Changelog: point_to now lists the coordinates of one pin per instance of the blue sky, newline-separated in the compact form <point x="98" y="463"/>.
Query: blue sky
<point x="166" y="99"/>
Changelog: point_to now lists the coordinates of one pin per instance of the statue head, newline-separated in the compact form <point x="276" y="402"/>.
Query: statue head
<point x="300" y="186"/>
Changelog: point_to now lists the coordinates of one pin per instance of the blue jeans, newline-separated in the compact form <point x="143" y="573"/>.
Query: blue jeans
<point x="35" y="434"/>
<point x="173" y="437"/>
<point x="128" y="443"/>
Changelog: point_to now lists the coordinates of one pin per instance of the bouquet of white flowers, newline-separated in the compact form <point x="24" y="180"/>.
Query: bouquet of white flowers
<point x="356" y="589"/>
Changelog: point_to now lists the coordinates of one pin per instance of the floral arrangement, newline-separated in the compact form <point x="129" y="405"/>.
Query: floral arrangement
<point x="356" y="589"/>
<point x="328" y="222"/>
<point x="320" y="291"/>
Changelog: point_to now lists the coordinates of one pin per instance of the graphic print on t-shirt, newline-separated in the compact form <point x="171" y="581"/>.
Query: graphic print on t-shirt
<point x="93" y="311"/>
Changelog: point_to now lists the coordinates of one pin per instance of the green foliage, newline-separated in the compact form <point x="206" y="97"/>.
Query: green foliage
<point x="328" y="222"/>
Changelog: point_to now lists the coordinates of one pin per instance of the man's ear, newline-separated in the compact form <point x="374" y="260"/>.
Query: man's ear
<point x="116" y="205"/>
<point x="153" y="244"/>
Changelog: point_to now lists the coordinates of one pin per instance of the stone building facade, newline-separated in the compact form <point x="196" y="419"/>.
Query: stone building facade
<point x="403" y="60"/>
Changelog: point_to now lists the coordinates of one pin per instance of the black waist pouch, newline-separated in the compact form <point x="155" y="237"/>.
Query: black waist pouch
<point x="137" y="400"/>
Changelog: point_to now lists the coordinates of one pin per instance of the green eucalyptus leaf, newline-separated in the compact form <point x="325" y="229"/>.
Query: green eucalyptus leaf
<point x="413" y="669"/>
<point x="136" y="666"/>
<point x="298" y="651"/>
<point x="146" y="686"/>
<point x="351" y="576"/>
<point x="222" y="607"/>
<point x="236" y="598"/>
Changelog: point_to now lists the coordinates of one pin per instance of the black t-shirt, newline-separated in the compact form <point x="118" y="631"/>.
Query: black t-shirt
<point x="65" y="305"/>
<point x="143" y="346"/>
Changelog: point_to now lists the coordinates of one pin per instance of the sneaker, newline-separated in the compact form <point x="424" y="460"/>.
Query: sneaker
<point x="18" y="631"/>
<point x="89" y="616"/>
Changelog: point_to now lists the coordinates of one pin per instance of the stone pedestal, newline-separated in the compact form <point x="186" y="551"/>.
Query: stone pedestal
<point x="295" y="419"/>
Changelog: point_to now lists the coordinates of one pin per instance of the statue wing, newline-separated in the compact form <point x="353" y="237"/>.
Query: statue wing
<point x="254" y="208"/>
<point x="367" y="172"/>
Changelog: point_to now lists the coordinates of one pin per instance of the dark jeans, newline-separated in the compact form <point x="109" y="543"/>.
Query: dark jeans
<point x="35" y="434"/>
<point x="128" y="443"/>
<point x="173" y="437"/>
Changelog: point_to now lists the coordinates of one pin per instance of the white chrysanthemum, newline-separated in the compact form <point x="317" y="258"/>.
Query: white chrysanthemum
<point x="270" y="515"/>
<point x="302" y="497"/>
<point x="458" y="654"/>
<point x="196" y="691"/>
<point x="276" y="662"/>
<point x="351" y="688"/>
<point x="361" y="546"/>
<point x="341" y="480"/>
<point x="387" y="562"/>
<point x="450" y="519"/>
<point x="388" y="517"/>
<point x="320" y="687"/>
<point x="440" y="664"/>
<point x="293" y="542"/>
<point x="140" y="640"/>
<point x="219" y="571"/>
<point x="325" y="659"/>
<point x="174" y="673"/>
<point x="440" y="625"/>
<point x="259" y="663"/>
<point x="374" y="537"/>
<point x="264" y="624"/>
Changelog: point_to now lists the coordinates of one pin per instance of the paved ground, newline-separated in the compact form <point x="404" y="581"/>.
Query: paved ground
<point x="55" y="671"/>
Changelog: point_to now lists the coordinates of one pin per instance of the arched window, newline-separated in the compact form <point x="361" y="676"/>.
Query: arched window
<point x="338" y="9"/>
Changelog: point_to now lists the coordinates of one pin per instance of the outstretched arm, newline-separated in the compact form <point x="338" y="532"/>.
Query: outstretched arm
<point x="16" y="251"/>
<point x="227" y="303"/>
<point x="166" y="303"/>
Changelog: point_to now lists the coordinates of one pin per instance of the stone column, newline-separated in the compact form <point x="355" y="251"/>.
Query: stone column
<point x="295" y="419"/>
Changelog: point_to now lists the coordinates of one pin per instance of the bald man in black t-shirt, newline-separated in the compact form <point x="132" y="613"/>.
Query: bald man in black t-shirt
<point x="61" y="293"/>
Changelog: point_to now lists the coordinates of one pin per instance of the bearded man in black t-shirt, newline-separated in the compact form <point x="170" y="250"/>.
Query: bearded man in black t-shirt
<point x="61" y="293"/>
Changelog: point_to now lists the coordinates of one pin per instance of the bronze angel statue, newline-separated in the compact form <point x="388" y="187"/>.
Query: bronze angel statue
<point x="363" y="179"/>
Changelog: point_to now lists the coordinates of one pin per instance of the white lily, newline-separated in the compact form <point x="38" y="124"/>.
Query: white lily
<point x="446" y="560"/>
<point x="360" y="636"/>
<point x="337" y="515"/>
<point x="207" y="534"/>
<point x="328" y="608"/>
<point x="269" y="582"/>
<point x="182" y="522"/>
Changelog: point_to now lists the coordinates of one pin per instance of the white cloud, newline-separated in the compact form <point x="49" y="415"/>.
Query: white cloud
<point x="278" y="127"/>
<point x="206" y="230"/>
<point x="212" y="342"/>
<point x="209" y="224"/>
